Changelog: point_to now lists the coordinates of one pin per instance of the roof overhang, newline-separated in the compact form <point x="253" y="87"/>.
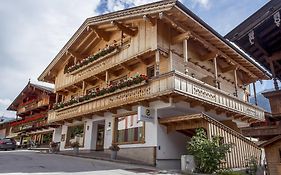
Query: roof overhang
<point x="171" y="7"/>
<point x="260" y="37"/>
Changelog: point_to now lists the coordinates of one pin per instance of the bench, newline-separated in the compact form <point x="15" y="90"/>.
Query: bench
<point x="47" y="150"/>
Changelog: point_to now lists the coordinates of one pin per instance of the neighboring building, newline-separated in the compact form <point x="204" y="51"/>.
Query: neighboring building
<point x="32" y="105"/>
<point x="3" y="130"/>
<point x="146" y="78"/>
<point x="260" y="37"/>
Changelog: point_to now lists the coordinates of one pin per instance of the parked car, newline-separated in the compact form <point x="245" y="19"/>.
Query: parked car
<point x="7" y="143"/>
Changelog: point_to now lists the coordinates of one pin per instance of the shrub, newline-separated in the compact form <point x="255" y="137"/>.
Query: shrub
<point x="208" y="153"/>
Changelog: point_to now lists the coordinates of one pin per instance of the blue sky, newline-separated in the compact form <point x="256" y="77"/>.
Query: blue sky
<point x="32" y="32"/>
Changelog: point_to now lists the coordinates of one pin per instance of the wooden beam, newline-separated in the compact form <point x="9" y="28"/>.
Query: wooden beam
<point x="99" y="77"/>
<point x="180" y="37"/>
<point x="206" y="44"/>
<point x="164" y="99"/>
<point x="151" y="20"/>
<point x="75" y="54"/>
<point x="125" y="66"/>
<point x="144" y="103"/>
<point x="207" y="107"/>
<point x="228" y="68"/>
<point x="78" y="118"/>
<point x="127" y="107"/>
<point x="113" y="111"/>
<point x="101" y="33"/>
<point x="209" y="56"/>
<point x="140" y="59"/>
<point x="99" y="113"/>
<point x="126" y="30"/>
<point x="68" y="120"/>
<point x="195" y="103"/>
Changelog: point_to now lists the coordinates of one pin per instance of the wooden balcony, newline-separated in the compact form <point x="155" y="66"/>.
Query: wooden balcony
<point x="172" y="84"/>
<point x="108" y="62"/>
<point x="33" y="105"/>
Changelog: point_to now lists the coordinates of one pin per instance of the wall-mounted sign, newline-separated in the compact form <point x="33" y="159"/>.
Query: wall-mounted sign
<point x="63" y="137"/>
<point x="145" y="114"/>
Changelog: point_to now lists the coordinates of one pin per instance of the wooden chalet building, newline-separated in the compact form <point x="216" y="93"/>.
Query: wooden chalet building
<point x="260" y="37"/>
<point x="32" y="105"/>
<point x="146" y="78"/>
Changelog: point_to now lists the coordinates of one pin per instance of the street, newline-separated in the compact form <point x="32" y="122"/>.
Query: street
<point x="30" y="162"/>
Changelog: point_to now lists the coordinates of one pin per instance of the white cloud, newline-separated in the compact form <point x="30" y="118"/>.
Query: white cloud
<point x="5" y="102"/>
<point x="202" y="3"/>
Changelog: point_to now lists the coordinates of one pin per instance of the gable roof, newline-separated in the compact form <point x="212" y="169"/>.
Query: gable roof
<point x="48" y="90"/>
<point x="152" y="9"/>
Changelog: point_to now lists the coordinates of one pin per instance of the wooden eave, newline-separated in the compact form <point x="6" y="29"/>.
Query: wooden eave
<point x="49" y="73"/>
<point x="267" y="38"/>
<point x="173" y="8"/>
<point x="204" y="31"/>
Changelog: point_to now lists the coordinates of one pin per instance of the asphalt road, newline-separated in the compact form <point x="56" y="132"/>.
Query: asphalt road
<point x="30" y="162"/>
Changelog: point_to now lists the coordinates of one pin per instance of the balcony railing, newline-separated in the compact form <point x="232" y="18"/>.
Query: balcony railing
<point x="172" y="82"/>
<point x="33" y="105"/>
<point x="100" y="65"/>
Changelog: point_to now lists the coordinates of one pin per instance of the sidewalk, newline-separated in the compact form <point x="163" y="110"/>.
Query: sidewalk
<point x="101" y="155"/>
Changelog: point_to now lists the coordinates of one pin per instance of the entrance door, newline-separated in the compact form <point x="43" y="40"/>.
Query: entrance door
<point x="100" y="137"/>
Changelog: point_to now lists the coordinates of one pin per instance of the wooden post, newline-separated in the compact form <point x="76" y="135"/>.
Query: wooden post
<point x="83" y="88"/>
<point x="255" y="93"/>
<point x="235" y="82"/>
<point x="273" y="75"/>
<point x="185" y="55"/>
<point x="216" y="72"/>
<point x="106" y="77"/>
<point x="171" y="60"/>
<point x="57" y="97"/>
<point x="157" y="60"/>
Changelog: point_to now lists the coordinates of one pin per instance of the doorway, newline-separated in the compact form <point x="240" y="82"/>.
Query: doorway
<point x="100" y="137"/>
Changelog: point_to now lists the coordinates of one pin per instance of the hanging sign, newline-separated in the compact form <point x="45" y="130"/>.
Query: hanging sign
<point x="145" y="114"/>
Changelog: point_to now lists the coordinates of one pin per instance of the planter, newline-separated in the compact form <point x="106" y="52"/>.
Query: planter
<point x="113" y="155"/>
<point x="76" y="150"/>
<point x="187" y="163"/>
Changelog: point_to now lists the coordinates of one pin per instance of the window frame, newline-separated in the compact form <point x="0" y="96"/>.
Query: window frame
<point x="115" y="130"/>
<point x="67" y="141"/>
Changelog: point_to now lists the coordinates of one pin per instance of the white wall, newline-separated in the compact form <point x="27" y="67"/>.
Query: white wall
<point x="108" y="130"/>
<point x="63" y="131"/>
<point x="170" y="145"/>
<point x="57" y="134"/>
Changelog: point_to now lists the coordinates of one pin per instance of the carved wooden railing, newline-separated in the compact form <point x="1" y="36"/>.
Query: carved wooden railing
<point x="100" y="65"/>
<point x="172" y="82"/>
<point x="33" y="105"/>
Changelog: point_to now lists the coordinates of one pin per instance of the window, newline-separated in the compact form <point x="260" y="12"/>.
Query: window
<point x="150" y="71"/>
<point x="128" y="130"/>
<point x="75" y="134"/>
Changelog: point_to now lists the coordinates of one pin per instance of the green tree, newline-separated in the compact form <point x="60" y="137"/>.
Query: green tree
<point x="208" y="153"/>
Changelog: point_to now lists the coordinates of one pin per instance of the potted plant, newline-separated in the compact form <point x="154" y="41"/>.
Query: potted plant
<point x="53" y="147"/>
<point x="75" y="146"/>
<point x="114" y="148"/>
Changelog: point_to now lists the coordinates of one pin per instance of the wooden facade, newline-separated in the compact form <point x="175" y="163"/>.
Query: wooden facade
<point x="31" y="105"/>
<point x="159" y="52"/>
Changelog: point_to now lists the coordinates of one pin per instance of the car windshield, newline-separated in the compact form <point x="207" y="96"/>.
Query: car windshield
<point x="7" y="140"/>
